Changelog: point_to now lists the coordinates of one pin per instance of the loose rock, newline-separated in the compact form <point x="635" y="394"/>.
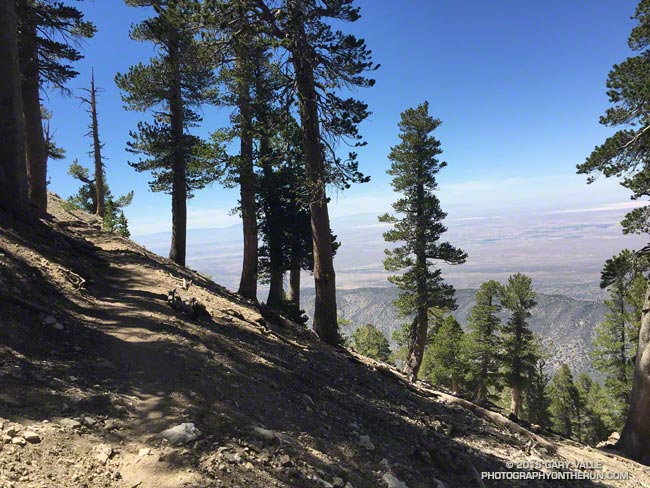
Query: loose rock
<point x="181" y="434"/>
<point x="366" y="443"/>
<point x="32" y="437"/>
<point x="393" y="482"/>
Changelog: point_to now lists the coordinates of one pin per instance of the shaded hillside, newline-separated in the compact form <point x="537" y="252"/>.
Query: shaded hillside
<point x="565" y="324"/>
<point x="95" y="367"/>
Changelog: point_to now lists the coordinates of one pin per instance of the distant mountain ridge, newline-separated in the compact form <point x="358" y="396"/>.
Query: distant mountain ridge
<point x="565" y="324"/>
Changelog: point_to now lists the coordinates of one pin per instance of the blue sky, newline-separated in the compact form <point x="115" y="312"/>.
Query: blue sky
<point x="519" y="87"/>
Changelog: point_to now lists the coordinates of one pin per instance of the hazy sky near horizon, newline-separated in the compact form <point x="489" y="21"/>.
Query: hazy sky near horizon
<point x="519" y="87"/>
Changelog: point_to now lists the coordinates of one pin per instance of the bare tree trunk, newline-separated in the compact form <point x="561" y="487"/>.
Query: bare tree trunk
<point x="325" y="314"/>
<point x="248" y="281"/>
<point x="294" y="285"/>
<point x="13" y="176"/>
<point x="97" y="149"/>
<point x="635" y="438"/>
<point x="179" y="178"/>
<point x="515" y="403"/>
<point x="35" y="148"/>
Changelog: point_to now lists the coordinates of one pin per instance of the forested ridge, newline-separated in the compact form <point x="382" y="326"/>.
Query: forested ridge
<point x="165" y="378"/>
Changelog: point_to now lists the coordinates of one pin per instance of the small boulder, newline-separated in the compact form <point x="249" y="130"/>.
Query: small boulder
<point x="366" y="443"/>
<point x="70" y="423"/>
<point x="145" y="451"/>
<point x="393" y="482"/>
<point x="181" y="434"/>
<point x="103" y="452"/>
<point x="19" y="441"/>
<point x="32" y="437"/>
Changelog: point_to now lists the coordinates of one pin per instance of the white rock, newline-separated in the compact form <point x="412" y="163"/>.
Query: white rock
<point x="366" y="443"/>
<point x="181" y="434"/>
<point x="32" y="437"/>
<point x="103" y="452"/>
<point x="49" y="320"/>
<point x="70" y="423"/>
<point x="88" y="421"/>
<point x="393" y="482"/>
<point x="145" y="451"/>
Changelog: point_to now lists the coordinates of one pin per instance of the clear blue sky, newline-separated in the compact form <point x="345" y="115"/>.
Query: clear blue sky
<point x="519" y="86"/>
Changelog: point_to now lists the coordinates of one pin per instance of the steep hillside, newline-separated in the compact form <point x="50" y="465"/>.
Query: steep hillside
<point x="566" y="325"/>
<point x="95" y="366"/>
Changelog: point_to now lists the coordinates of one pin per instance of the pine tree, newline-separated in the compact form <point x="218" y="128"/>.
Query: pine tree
<point x="419" y="226"/>
<point x="324" y="61"/>
<point x="13" y="176"/>
<point x="595" y="410"/>
<point x="616" y="335"/>
<point x="96" y="152"/>
<point x="565" y="405"/>
<point x="443" y="359"/>
<point x="625" y="155"/>
<point x="536" y="401"/>
<point x="519" y="348"/>
<point x="481" y="341"/>
<point x="369" y="341"/>
<point x="48" y="40"/>
<point x="176" y="81"/>
<point x="86" y="199"/>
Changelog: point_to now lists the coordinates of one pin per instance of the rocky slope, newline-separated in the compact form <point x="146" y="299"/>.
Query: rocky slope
<point x="96" y="368"/>
<point x="566" y="325"/>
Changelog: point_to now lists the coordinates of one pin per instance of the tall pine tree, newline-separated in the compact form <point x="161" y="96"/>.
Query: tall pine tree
<point x="324" y="61"/>
<point x="418" y="226"/>
<point x="180" y="78"/>
<point x="443" y="363"/>
<point x="625" y="155"/>
<point x="48" y="42"/>
<point x="93" y="128"/>
<point x="616" y="336"/>
<point x="565" y="404"/>
<point x="13" y="176"/>
<point x="519" y="348"/>
<point x="481" y="341"/>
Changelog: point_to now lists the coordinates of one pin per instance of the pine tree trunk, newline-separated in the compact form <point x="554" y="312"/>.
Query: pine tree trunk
<point x="13" y="176"/>
<point x="35" y="148"/>
<point x="635" y="438"/>
<point x="515" y="403"/>
<point x="420" y="325"/>
<point x="417" y="344"/>
<point x="276" y="289"/>
<point x="454" y="385"/>
<point x="248" y="281"/>
<point x="274" y="226"/>
<point x="325" y="314"/>
<point x="179" y="178"/>
<point x="97" y="150"/>
<point x="294" y="285"/>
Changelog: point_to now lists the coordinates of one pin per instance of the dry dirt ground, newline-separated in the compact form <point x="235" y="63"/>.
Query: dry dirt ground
<point x="94" y="365"/>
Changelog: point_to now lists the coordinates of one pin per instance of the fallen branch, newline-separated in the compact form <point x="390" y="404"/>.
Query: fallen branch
<point x="184" y="283"/>
<point x="74" y="278"/>
<point x="495" y="418"/>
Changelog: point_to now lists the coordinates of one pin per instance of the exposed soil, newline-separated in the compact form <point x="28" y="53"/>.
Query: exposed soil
<point x="94" y="365"/>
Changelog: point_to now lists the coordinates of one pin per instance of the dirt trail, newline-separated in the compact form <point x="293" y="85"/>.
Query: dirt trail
<point x="275" y="407"/>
